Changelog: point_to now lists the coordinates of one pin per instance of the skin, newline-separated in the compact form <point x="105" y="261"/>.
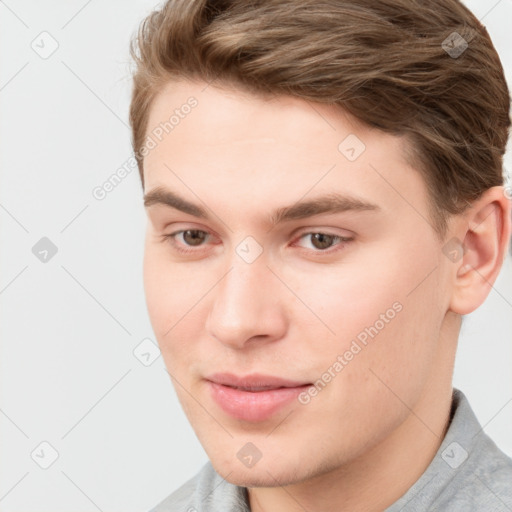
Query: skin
<point x="371" y="432"/>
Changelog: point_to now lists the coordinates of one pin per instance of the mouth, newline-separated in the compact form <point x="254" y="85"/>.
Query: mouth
<point x="255" y="389"/>
<point x="255" y="397"/>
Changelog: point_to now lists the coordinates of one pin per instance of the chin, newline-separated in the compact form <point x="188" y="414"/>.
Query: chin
<point x="257" y="478"/>
<point x="260" y="475"/>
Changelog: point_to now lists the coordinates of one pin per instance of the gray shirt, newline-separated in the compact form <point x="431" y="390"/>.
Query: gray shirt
<point x="468" y="473"/>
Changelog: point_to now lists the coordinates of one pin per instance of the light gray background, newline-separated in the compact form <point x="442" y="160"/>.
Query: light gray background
<point x="69" y="326"/>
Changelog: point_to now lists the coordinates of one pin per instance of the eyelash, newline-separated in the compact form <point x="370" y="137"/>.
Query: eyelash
<point x="171" y="238"/>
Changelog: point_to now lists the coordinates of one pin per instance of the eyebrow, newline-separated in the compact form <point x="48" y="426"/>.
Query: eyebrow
<point x="327" y="203"/>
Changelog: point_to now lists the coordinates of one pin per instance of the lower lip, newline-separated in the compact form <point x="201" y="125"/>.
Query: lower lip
<point x="253" y="405"/>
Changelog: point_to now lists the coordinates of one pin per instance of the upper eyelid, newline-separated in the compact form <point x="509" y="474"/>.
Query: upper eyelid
<point x="307" y="231"/>
<point x="331" y="251"/>
<point x="296" y="237"/>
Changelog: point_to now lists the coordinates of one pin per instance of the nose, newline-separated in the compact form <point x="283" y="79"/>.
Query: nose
<point x="247" y="306"/>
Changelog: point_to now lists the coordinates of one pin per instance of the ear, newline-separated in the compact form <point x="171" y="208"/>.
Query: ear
<point x="484" y="231"/>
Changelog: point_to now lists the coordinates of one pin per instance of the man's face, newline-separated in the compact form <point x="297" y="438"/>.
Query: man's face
<point x="353" y="300"/>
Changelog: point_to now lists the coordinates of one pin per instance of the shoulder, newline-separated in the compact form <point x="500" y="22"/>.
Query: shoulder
<point x="483" y="482"/>
<point x="205" y="491"/>
<point x="469" y="473"/>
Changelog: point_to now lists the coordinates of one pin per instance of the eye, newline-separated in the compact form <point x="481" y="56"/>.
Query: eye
<point x="322" y="242"/>
<point x="190" y="238"/>
<point x="185" y="240"/>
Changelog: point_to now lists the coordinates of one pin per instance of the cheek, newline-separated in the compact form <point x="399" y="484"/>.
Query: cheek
<point x="402" y="357"/>
<point x="384" y="313"/>
<point x="175" y="299"/>
<point x="167" y="292"/>
<point x="387" y="339"/>
<point x="156" y="290"/>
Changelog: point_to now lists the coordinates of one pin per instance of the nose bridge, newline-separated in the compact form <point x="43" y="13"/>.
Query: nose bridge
<point x="248" y="271"/>
<point x="238" y="297"/>
<point x="244" y="305"/>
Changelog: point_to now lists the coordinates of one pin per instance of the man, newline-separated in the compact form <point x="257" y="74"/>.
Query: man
<point x="324" y="190"/>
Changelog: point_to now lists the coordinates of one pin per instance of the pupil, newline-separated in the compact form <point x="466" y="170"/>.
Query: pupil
<point x="325" y="240"/>
<point x="195" y="239"/>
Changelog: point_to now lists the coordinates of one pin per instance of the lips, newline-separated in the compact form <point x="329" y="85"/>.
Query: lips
<point x="254" y="382"/>
<point x="254" y="397"/>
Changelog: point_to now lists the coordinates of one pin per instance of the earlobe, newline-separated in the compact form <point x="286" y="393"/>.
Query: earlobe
<point x="484" y="235"/>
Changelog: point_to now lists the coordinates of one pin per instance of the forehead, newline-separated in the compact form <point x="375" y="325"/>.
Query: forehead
<point x="292" y="119"/>
<point x="242" y="148"/>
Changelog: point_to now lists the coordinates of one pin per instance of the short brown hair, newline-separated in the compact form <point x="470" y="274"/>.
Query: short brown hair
<point x="387" y="62"/>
